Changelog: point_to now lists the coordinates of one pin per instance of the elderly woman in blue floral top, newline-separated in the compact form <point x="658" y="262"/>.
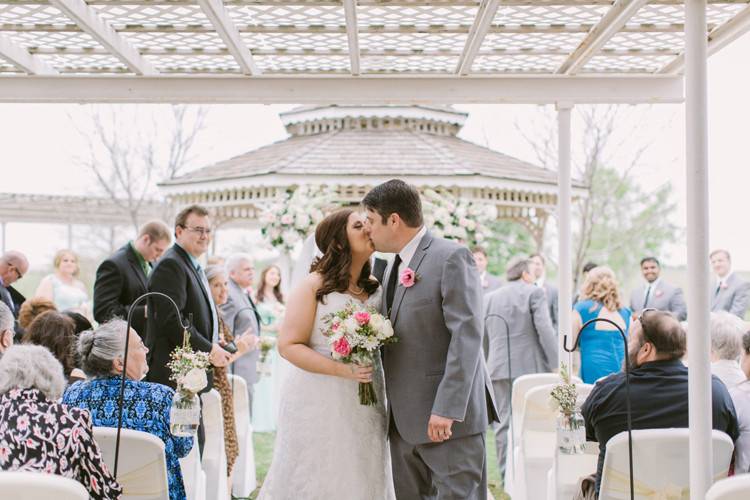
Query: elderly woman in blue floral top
<point x="37" y="434"/>
<point x="146" y="404"/>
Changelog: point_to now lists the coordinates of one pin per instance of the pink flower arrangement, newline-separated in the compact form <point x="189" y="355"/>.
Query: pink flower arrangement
<point x="362" y="317"/>
<point x="408" y="278"/>
<point x="342" y="347"/>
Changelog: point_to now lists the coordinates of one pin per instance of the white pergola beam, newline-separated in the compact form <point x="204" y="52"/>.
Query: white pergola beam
<point x="344" y="89"/>
<point x="352" y="34"/>
<point x="226" y="29"/>
<point x="482" y="23"/>
<point x="612" y="22"/>
<point x="18" y="56"/>
<point x="719" y="38"/>
<point x="89" y="21"/>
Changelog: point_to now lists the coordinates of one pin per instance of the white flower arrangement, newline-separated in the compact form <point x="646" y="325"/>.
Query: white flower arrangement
<point x="460" y="220"/>
<point x="289" y="221"/>
<point x="188" y="367"/>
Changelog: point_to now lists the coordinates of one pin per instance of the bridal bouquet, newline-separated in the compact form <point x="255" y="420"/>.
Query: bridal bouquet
<point x="188" y="371"/>
<point x="355" y="333"/>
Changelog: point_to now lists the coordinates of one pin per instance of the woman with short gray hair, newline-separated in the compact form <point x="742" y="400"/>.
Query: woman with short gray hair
<point x="38" y="434"/>
<point x="146" y="404"/>
<point x="726" y="345"/>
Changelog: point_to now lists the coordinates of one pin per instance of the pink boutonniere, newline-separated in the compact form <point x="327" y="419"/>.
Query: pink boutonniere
<point x="724" y="286"/>
<point x="659" y="293"/>
<point x="408" y="277"/>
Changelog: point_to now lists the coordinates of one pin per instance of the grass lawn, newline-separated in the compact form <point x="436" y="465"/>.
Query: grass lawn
<point x="264" y="449"/>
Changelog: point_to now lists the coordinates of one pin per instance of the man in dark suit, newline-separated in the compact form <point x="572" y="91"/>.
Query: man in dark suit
<point x="538" y="264"/>
<point x="123" y="277"/>
<point x="180" y="276"/>
<point x="13" y="265"/>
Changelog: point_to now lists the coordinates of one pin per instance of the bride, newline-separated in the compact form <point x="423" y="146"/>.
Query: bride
<point x="328" y="446"/>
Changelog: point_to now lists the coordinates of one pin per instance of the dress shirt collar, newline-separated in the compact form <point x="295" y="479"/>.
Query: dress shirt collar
<point x="723" y="281"/>
<point x="410" y="248"/>
<point x="654" y="283"/>
<point x="196" y="263"/>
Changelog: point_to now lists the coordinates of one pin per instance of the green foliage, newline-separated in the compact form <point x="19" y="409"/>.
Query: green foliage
<point x="509" y="239"/>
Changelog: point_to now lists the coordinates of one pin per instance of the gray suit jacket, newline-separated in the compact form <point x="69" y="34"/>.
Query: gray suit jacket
<point x="437" y="367"/>
<point x="664" y="297"/>
<point x="552" y="294"/>
<point x="491" y="283"/>
<point x="734" y="298"/>
<point x="533" y="341"/>
<point x="239" y="314"/>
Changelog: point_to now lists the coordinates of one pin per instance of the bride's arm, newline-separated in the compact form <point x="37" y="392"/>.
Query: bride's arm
<point x="295" y="332"/>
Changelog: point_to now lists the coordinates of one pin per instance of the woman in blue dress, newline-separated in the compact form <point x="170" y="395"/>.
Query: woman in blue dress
<point x="602" y="349"/>
<point x="146" y="404"/>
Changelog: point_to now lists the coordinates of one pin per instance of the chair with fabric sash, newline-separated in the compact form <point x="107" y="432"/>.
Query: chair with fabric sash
<point x="36" y="485"/>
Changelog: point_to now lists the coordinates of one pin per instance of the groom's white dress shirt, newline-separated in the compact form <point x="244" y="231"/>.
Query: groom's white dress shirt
<point x="408" y="251"/>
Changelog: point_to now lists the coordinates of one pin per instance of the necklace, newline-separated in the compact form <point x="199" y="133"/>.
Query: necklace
<point x="356" y="290"/>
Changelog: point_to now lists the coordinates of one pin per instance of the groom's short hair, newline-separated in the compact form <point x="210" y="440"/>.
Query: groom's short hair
<point x="396" y="197"/>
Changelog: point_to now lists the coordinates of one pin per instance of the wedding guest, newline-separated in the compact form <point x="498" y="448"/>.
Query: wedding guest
<point x="602" y="351"/>
<point x="241" y="316"/>
<point x="82" y="323"/>
<point x="13" y="266"/>
<point x="730" y="292"/>
<point x="180" y="276"/>
<point x="587" y="267"/>
<point x="533" y="341"/>
<point x="658" y="387"/>
<point x="7" y="323"/>
<point x="123" y="277"/>
<point x="33" y="308"/>
<point x="56" y="332"/>
<point x="726" y="345"/>
<point x="656" y="293"/>
<point x="270" y="305"/>
<point x="741" y="398"/>
<point x="217" y="280"/>
<point x="538" y="265"/>
<point x="63" y="287"/>
<point x="146" y="405"/>
<point x="488" y="281"/>
<point x="40" y="435"/>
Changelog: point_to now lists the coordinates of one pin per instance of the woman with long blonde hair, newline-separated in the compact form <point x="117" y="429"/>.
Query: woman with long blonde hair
<point x="601" y="346"/>
<point x="63" y="287"/>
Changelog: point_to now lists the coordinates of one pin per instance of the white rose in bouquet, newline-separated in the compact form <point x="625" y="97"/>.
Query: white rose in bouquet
<point x="376" y="323"/>
<point x="287" y="219"/>
<point x="387" y="329"/>
<point x="194" y="381"/>
<point x="351" y="325"/>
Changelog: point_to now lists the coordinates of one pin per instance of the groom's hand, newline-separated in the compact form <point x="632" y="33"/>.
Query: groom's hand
<point x="439" y="428"/>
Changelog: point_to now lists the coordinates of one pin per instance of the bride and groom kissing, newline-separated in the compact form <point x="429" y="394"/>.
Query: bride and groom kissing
<point x="429" y="440"/>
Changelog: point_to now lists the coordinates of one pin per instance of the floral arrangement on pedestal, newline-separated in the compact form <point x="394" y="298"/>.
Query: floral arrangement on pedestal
<point x="455" y="219"/>
<point x="287" y="222"/>
<point x="188" y="371"/>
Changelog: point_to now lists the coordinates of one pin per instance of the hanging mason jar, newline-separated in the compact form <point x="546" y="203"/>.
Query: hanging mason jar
<point x="571" y="432"/>
<point x="185" y="414"/>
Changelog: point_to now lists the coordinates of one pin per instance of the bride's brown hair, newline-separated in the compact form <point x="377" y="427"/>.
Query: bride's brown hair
<point x="334" y="264"/>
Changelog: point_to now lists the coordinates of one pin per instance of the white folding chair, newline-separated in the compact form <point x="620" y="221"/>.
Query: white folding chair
<point x="37" y="485"/>
<point x="661" y="466"/>
<point x="142" y="468"/>
<point x="214" y="453"/>
<point x="244" y="481"/>
<point x="192" y="474"/>
<point x="566" y="470"/>
<point x="731" y="488"/>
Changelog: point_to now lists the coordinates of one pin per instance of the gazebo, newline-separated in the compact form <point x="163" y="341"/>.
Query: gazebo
<point x="352" y="148"/>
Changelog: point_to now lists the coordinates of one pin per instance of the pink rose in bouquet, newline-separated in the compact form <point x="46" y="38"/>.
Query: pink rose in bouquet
<point x="362" y="317"/>
<point x="342" y="347"/>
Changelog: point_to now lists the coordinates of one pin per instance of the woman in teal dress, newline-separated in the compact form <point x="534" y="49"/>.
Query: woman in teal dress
<point x="602" y="349"/>
<point x="270" y="305"/>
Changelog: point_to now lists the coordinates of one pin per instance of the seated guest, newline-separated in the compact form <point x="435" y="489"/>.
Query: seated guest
<point x="13" y="266"/>
<point x="33" y="308"/>
<point x="741" y="398"/>
<point x="726" y="346"/>
<point x="56" y="332"/>
<point x="39" y="435"/>
<point x="63" y="286"/>
<point x="7" y="322"/>
<point x="146" y="405"/>
<point x="602" y="352"/>
<point x="658" y="387"/>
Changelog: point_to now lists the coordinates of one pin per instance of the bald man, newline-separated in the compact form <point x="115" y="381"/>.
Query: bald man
<point x="13" y="266"/>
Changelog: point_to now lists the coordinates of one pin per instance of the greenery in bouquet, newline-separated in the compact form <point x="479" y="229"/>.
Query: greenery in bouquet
<point x="289" y="221"/>
<point x="266" y="345"/>
<point x="461" y="220"/>
<point x="188" y="368"/>
<point x="563" y="396"/>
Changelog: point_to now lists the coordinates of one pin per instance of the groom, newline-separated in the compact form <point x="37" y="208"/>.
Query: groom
<point x="439" y="395"/>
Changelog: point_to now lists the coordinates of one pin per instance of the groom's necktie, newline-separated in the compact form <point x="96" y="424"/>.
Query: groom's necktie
<point x="390" y="290"/>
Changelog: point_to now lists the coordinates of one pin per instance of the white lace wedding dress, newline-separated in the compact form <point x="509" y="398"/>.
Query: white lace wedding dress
<point x="328" y="446"/>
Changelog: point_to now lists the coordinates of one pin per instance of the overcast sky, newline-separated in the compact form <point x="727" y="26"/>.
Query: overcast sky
<point x="38" y="146"/>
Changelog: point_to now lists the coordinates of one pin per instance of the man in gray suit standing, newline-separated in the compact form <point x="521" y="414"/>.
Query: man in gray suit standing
<point x="730" y="292"/>
<point x="489" y="282"/>
<point x="533" y="341"/>
<point x="439" y="395"/>
<point x="540" y="279"/>
<point x="657" y="293"/>
<point x="241" y="317"/>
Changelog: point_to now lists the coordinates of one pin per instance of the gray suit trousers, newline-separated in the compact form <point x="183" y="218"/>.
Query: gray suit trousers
<point x="452" y="470"/>
<point x="502" y="390"/>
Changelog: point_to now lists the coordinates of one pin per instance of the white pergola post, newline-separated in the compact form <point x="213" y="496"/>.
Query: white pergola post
<point x="5" y="242"/>
<point x="696" y="140"/>
<point x="564" y="236"/>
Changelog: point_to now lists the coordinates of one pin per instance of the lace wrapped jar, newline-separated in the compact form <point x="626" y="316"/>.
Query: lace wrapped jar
<point x="185" y="414"/>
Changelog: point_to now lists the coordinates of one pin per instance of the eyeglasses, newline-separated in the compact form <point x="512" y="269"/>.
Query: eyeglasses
<point x="200" y="230"/>
<point x="18" y="273"/>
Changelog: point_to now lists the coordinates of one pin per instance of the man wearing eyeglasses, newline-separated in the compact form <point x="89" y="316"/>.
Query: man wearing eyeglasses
<point x="13" y="265"/>
<point x="180" y="276"/>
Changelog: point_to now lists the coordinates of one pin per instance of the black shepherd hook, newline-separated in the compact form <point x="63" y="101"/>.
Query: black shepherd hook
<point x="510" y="380"/>
<point x="125" y="362"/>
<point x="627" y="384"/>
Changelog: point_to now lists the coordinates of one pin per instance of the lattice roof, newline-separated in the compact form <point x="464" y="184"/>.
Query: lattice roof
<point x="353" y="37"/>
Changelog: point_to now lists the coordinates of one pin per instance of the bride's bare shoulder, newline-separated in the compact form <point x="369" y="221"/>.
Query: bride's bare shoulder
<point x="314" y="281"/>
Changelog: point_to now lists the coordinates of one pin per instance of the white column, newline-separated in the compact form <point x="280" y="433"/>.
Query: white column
<point x="5" y="243"/>
<point x="697" y="242"/>
<point x="565" y="240"/>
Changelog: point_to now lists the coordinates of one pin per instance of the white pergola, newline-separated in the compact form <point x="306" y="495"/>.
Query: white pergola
<point x="564" y="52"/>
